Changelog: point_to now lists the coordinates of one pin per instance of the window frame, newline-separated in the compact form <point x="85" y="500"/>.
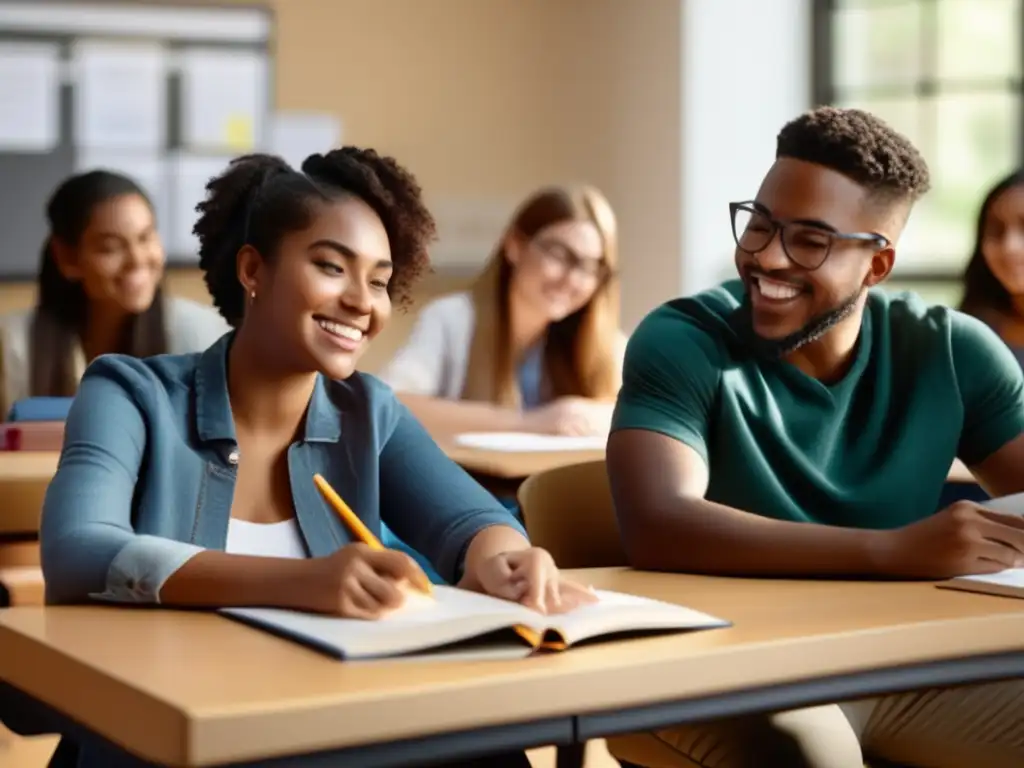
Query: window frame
<point x="823" y="91"/>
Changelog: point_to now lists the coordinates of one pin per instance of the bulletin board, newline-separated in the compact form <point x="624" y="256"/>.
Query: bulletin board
<point x="166" y="94"/>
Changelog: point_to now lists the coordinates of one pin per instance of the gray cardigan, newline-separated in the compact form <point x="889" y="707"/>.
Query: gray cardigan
<point x="191" y="327"/>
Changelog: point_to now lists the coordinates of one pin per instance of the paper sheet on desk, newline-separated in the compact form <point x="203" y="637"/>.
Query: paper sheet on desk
<point x="1011" y="577"/>
<point x="1009" y="505"/>
<point x="526" y="442"/>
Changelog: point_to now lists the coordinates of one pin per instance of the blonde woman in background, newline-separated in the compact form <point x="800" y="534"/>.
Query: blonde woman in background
<point x="534" y="345"/>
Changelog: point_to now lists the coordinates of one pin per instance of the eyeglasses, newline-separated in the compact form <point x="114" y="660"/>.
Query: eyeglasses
<point x="806" y="243"/>
<point x="568" y="261"/>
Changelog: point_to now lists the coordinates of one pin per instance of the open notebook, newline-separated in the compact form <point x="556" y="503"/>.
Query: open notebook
<point x="1008" y="583"/>
<point x="526" y="442"/>
<point x="469" y="625"/>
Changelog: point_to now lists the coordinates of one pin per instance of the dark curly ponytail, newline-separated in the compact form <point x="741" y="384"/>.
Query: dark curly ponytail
<point x="394" y="194"/>
<point x="260" y="198"/>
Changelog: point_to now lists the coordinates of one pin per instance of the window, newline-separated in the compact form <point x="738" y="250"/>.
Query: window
<point x="947" y="74"/>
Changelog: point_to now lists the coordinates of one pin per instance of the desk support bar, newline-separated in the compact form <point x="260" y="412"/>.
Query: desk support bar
<point x="938" y="674"/>
<point x="945" y="674"/>
<point x="25" y="715"/>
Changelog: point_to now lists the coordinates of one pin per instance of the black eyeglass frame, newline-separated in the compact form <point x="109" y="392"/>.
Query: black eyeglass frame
<point x="571" y="261"/>
<point x="779" y="228"/>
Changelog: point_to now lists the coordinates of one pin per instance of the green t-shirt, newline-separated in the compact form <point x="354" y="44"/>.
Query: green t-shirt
<point x="870" y="451"/>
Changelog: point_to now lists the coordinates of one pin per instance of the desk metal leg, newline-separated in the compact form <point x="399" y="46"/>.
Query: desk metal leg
<point x="571" y="756"/>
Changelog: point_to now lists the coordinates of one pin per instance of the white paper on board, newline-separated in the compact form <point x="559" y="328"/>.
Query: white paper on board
<point x="189" y="175"/>
<point x="120" y="95"/>
<point x="148" y="169"/>
<point x="223" y="100"/>
<point x="297" y="135"/>
<point x="29" y="97"/>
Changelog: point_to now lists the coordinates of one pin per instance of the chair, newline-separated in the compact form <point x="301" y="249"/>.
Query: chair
<point x="568" y="511"/>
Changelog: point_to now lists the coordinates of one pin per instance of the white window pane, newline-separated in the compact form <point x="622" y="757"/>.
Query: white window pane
<point x="976" y="142"/>
<point x="877" y="45"/>
<point x="947" y="293"/>
<point x="979" y="39"/>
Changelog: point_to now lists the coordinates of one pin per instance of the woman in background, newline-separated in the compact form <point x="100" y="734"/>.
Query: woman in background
<point x="99" y="292"/>
<point x="535" y="344"/>
<point x="994" y="279"/>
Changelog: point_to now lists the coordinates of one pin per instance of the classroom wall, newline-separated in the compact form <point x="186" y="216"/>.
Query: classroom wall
<point x="487" y="99"/>
<point x="746" y="72"/>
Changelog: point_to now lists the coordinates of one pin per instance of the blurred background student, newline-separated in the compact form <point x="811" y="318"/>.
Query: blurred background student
<point x="994" y="278"/>
<point x="535" y="344"/>
<point x="99" y="292"/>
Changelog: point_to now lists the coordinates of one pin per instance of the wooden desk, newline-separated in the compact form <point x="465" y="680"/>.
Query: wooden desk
<point x="24" y="476"/>
<point x="194" y="689"/>
<point x="509" y="465"/>
<point x="959" y="473"/>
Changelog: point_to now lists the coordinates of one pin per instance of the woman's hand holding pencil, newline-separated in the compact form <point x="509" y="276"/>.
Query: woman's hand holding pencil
<point x="363" y="580"/>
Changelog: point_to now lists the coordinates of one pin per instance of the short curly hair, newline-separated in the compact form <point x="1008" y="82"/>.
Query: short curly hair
<point x="260" y="198"/>
<point x="860" y="146"/>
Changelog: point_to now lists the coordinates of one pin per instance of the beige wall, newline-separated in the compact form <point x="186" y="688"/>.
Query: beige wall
<point x="487" y="99"/>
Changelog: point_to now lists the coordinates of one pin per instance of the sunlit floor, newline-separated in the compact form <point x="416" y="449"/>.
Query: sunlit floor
<point x="16" y="752"/>
<point x="597" y="756"/>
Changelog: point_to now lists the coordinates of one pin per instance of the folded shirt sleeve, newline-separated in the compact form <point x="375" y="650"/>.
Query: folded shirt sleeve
<point x="89" y="548"/>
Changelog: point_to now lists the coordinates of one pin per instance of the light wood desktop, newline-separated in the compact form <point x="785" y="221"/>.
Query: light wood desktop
<point x="24" y="476"/>
<point x="195" y="689"/>
<point x="959" y="473"/>
<point x="506" y="465"/>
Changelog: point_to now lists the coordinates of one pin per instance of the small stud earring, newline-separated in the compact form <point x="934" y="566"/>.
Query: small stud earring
<point x="253" y="295"/>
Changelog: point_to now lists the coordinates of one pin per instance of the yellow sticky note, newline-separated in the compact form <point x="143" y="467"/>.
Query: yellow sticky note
<point x="239" y="133"/>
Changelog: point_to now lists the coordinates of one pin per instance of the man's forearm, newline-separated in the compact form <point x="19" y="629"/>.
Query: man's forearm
<point x="703" y="537"/>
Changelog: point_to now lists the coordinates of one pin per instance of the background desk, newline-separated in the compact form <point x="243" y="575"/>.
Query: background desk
<point x="195" y="689"/>
<point x="502" y="472"/>
<point x="24" y="476"/>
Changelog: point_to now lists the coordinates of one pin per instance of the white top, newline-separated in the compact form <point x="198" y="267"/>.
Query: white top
<point x="191" y="327"/>
<point x="266" y="539"/>
<point x="434" y="359"/>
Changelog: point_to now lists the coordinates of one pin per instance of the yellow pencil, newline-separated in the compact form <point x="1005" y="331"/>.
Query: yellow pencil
<point x="356" y="525"/>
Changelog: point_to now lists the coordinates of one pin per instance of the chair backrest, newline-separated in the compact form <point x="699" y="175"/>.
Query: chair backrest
<point x="568" y="511"/>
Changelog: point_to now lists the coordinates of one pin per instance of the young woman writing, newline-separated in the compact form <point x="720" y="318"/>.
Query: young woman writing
<point x="188" y="480"/>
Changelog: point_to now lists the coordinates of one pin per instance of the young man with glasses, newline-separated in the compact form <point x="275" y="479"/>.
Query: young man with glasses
<point x="770" y="426"/>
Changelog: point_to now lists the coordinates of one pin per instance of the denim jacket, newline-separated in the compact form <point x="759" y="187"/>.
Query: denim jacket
<point x="147" y="475"/>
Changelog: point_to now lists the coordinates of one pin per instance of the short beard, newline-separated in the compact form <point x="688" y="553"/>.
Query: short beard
<point x="813" y="330"/>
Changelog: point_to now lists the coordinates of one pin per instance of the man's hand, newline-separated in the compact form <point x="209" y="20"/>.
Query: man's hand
<point x="961" y="540"/>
